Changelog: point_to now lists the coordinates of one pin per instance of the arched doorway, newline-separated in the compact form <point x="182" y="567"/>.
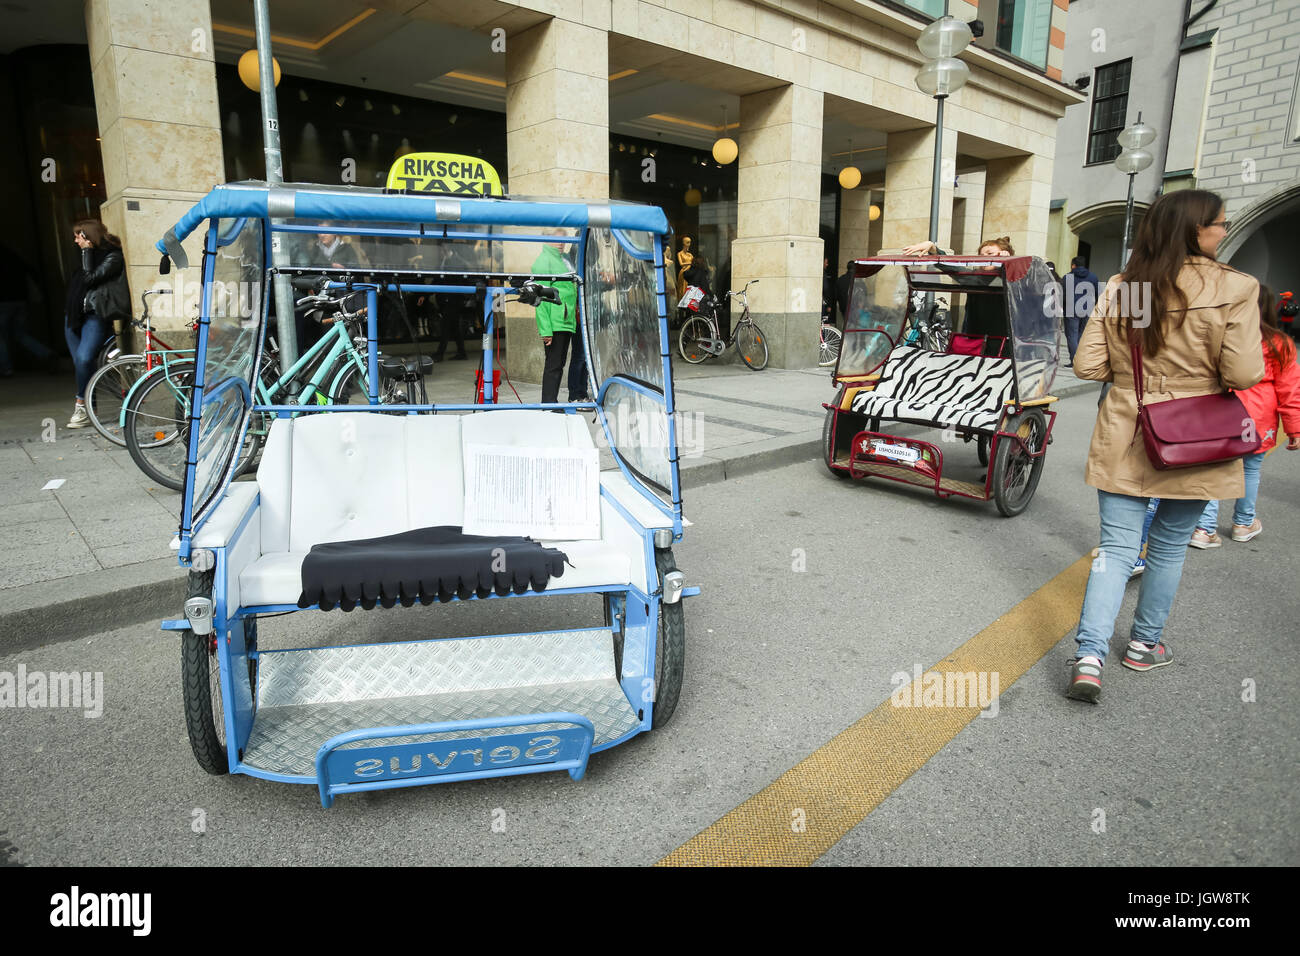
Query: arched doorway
<point x="1100" y="229"/>
<point x="1264" y="242"/>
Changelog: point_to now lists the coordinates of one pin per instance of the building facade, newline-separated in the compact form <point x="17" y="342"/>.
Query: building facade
<point x="592" y="99"/>
<point x="1217" y="79"/>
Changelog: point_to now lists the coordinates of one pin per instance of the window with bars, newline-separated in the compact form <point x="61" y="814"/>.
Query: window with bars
<point x="1109" y="109"/>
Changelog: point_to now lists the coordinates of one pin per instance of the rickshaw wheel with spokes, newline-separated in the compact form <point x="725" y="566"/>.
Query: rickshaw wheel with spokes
<point x="205" y="718"/>
<point x="670" y="648"/>
<point x="828" y="427"/>
<point x="982" y="449"/>
<point x="1016" y="473"/>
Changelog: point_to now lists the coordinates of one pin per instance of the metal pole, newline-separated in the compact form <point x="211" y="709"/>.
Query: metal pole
<point x="938" y="171"/>
<point x="1128" y="223"/>
<point x="286" y="327"/>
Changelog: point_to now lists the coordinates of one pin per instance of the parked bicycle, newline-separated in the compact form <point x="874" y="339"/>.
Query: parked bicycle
<point x="700" y="339"/>
<point x="828" y="345"/>
<point x="331" y="372"/>
<point x="108" y="388"/>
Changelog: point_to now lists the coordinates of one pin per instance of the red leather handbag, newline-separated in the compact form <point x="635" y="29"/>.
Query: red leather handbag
<point x="1200" y="430"/>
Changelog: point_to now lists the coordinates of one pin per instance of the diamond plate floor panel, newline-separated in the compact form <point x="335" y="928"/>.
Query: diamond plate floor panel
<point x="305" y="697"/>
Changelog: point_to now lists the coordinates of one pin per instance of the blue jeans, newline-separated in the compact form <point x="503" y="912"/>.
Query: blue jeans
<point x="1074" y="329"/>
<point x="1122" y="517"/>
<point x="1244" y="513"/>
<point x="85" y="345"/>
<point x="13" y="325"/>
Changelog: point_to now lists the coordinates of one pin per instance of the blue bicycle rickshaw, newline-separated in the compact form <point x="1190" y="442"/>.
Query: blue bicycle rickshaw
<point x="361" y="506"/>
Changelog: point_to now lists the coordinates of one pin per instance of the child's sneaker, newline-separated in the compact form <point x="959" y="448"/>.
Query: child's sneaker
<point x="1143" y="657"/>
<point x="1205" y="539"/>
<point x="1085" y="679"/>
<point x="1139" y="566"/>
<point x="1244" y="533"/>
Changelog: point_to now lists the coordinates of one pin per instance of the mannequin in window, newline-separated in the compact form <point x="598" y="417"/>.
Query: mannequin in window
<point x="684" y="260"/>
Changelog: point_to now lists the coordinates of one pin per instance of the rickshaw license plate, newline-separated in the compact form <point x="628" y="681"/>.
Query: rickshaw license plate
<point x="896" y="452"/>
<point x="459" y="755"/>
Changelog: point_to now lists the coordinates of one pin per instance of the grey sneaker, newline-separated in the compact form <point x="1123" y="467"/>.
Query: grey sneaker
<point x="1143" y="657"/>
<point x="1085" y="679"/>
<point x="79" y="418"/>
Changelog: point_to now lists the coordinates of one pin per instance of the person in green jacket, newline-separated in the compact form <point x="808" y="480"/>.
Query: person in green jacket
<point x="556" y="324"/>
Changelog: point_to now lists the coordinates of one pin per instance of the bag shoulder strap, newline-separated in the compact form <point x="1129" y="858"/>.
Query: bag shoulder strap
<point x="1135" y="349"/>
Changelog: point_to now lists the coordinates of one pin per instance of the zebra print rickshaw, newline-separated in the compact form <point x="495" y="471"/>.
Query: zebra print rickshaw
<point x="992" y="389"/>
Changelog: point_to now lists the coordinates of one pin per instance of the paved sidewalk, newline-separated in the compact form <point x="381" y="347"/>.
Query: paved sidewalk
<point x="97" y="546"/>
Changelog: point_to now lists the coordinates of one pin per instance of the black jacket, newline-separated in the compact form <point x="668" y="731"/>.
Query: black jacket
<point x="103" y="279"/>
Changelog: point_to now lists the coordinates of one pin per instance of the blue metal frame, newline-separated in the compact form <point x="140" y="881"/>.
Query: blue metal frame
<point x="430" y="216"/>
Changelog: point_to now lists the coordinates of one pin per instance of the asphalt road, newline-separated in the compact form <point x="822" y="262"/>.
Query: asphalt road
<point x="815" y="592"/>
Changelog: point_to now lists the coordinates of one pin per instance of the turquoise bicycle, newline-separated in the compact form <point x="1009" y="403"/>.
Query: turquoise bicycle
<point x="155" y="415"/>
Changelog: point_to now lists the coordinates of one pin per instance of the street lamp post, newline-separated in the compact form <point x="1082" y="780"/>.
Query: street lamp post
<point x="284" y="314"/>
<point x="1134" y="158"/>
<point x="941" y="75"/>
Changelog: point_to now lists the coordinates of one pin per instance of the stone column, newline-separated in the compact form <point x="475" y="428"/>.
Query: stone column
<point x="557" y="144"/>
<point x="1017" y="201"/>
<point x="159" y="127"/>
<point x="855" y="225"/>
<point x="779" y="205"/>
<point x="909" y="171"/>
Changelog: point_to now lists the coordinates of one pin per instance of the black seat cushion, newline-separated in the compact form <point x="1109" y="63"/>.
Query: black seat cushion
<point x="424" y="565"/>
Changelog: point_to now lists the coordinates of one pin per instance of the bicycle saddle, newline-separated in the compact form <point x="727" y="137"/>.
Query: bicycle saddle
<point x="404" y="366"/>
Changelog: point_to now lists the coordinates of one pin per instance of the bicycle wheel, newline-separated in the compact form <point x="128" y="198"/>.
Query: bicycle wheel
<point x="829" y="346"/>
<point x="752" y="346"/>
<point x="157" y="420"/>
<point x="688" y="340"/>
<point x="107" y="390"/>
<point x="1015" y="472"/>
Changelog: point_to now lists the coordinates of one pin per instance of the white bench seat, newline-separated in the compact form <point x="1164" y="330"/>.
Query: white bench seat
<point x="351" y="476"/>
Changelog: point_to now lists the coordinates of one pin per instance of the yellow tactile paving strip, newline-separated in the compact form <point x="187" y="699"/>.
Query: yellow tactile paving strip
<point x="809" y="808"/>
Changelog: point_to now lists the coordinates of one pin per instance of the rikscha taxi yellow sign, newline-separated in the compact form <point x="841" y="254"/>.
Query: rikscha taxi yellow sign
<point x="444" y="173"/>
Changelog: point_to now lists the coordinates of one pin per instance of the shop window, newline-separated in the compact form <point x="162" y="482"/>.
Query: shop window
<point x="931" y="8"/>
<point x="1109" y="108"/>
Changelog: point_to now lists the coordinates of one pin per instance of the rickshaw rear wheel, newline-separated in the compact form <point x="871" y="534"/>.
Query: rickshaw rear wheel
<point x="1015" y="473"/>
<point x="982" y="449"/>
<point x="670" y="648"/>
<point x="828" y="428"/>
<point x="205" y="719"/>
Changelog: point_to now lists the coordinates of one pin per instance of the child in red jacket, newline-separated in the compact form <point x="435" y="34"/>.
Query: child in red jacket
<point x="1278" y="395"/>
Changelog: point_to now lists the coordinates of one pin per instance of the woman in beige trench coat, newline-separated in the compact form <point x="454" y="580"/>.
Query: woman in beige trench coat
<point x="1198" y="322"/>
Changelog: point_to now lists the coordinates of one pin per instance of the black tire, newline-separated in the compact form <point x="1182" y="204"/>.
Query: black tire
<point x="107" y="390"/>
<point x="670" y="648"/>
<point x="828" y="453"/>
<point x="157" y="420"/>
<point x="692" y="329"/>
<point x="982" y="449"/>
<point x="1015" y="474"/>
<point x="751" y="343"/>
<point x="201" y="688"/>
<point x="351" y="389"/>
<point x="253" y="439"/>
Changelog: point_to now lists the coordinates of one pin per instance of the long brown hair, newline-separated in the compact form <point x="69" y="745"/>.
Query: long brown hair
<point x="95" y="231"/>
<point x="1002" y="242"/>
<point x="1165" y="239"/>
<point x="1277" y="344"/>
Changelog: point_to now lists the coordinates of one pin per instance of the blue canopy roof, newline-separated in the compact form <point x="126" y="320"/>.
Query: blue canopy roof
<point x="359" y="204"/>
